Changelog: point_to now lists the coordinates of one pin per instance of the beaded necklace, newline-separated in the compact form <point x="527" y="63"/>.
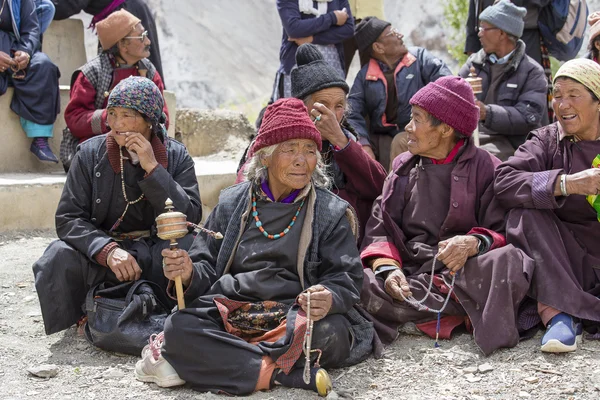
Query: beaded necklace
<point x="307" y="343"/>
<point x="127" y="202"/>
<point x="258" y="223"/>
<point x="419" y="303"/>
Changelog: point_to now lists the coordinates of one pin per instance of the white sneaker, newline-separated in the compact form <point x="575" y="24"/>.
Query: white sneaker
<point x="154" y="368"/>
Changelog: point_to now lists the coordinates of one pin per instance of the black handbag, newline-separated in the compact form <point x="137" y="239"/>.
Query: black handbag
<point x="122" y="317"/>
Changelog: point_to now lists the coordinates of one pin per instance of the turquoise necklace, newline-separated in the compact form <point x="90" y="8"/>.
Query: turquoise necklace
<point x="258" y="223"/>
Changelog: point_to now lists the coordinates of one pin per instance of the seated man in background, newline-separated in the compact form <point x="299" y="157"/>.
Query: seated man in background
<point x="514" y="98"/>
<point x="101" y="9"/>
<point x="383" y="87"/>
<point x="126" y="48"/>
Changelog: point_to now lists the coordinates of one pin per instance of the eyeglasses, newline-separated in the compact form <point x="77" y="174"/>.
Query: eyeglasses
<point x="483" y="29"/>
<point x="393" y="31"/>
<point x="142" y="37"/>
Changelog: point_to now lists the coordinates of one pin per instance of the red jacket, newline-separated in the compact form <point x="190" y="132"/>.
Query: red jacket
<point x="80" y="111"/>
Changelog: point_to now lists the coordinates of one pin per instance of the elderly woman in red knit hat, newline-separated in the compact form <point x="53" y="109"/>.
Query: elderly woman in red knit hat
<point x="434" y="250"/>
<point x="288" y="260"/>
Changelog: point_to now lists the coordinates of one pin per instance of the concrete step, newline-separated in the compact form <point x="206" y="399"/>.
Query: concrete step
<point x="14" y="152"/>
<point x="29" y="200"/>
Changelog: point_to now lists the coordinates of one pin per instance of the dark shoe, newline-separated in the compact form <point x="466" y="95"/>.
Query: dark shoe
<point x="320" y="381"/>
<point x="41" y="149"/>
<point x="561" y="334"/>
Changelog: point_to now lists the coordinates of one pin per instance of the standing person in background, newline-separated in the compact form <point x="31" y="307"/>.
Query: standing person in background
<point x="101" y="9"/>
<point x="360" y="9"/>
<point x="31" y="73"/>
<point x="324" y="23"/>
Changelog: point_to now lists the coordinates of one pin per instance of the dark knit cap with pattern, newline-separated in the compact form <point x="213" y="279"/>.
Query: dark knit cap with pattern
<point x="368" y="30"/>
<point x="451" y="100"/>
<point x="313" y="73"/>
<point x="284" y="120"/>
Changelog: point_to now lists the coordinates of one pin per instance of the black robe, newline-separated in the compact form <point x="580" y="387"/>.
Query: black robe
<point x="90" y="201"/>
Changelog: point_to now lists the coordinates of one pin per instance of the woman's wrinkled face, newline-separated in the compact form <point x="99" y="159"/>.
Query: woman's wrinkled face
<point x="122" y="120"/>
<point x="291" y="165"/>
<point x="576" y="110"/>
<point x="423" y="138"/>
<point x="333" y="98"/>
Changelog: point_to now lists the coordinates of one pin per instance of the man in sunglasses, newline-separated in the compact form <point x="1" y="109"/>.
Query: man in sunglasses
<point x="379" y="98"/>
<point x="513" y="101"/>
<point x="126" y="48"/>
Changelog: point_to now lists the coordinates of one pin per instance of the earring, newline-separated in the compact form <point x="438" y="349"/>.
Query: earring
<point x="150" y="126"/>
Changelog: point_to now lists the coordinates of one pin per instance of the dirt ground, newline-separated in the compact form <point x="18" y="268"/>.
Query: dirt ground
<point x="410" y="369"/>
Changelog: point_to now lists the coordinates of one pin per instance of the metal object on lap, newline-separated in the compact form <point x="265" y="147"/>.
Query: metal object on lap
<point x="477" y="86"/>
<point x="172" y="225"/>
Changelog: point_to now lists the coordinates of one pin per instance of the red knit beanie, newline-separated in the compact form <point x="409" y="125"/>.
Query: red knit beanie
<point x="284" y="120"/>
<point x="451" y="100"/>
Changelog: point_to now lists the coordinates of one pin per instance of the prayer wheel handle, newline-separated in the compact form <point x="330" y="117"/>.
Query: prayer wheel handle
<point x="172" y="225"/>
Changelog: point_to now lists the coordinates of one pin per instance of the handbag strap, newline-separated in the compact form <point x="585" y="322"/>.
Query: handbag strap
<point x="89" y="298"/>
<point x="159" y="296"/>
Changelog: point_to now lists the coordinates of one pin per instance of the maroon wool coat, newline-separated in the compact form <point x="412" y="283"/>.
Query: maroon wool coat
<point x="408" y="221"/>
<point x="468" y="211"/>
<point x="560" y="233"/>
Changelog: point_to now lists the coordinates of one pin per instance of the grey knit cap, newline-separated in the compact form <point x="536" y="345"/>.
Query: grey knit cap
<point x="506" y="16"/>
<point x="368" y="30"/>
<point x="313" y="73"/>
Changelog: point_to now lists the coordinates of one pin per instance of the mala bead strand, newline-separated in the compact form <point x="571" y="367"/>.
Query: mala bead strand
<point x="127" y="202"/>
<point x="307" y="340"/>
<point x="419" y="303"/>
<point x="258" y="223"/>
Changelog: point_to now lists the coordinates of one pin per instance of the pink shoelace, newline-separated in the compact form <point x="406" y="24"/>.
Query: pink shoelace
<point x="155" y="342"/>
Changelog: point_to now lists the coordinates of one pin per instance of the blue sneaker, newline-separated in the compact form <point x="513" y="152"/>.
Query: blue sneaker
<point x="561" y="334"/>
<point x="41" y="149"/>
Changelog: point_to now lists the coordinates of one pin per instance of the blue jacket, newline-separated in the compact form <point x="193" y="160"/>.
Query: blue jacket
<point x="25" y="25"/>
<point x="323" y="29"/>
<point x="368" y="96"/>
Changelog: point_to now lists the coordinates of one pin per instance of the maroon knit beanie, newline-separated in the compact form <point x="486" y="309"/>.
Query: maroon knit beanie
<point x="284" y="120"/>
<point x="451" y="100"/>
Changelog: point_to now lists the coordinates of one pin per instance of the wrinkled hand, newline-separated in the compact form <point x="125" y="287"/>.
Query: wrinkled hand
<point x="455" y="251"/>
<point x="328" y="125"/>
<point x="6" y="62"/>
<point x="137" y="143"/>
<point x="124" y="265"/>
<point x="301" y="41"/>
<point x="177" y="263"/>
<point x="321" y="301"/>
<point x="369" y="151"/>
<point x="482" y="110"/>
<point x="396" y="285"/>
<point x="21" y="60"/>
<point x="342" y="16"/>
<point x="586" y="182"/>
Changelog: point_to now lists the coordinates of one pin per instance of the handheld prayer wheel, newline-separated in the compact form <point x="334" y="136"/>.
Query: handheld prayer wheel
<point x="172" y="225"/>
<point x="476" y="85"/>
